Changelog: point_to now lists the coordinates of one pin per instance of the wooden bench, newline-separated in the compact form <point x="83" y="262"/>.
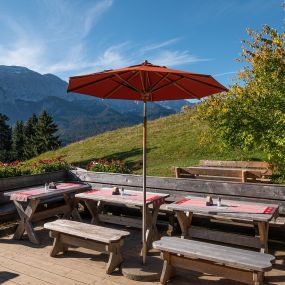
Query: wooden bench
<point x="236" y="264"/>
<point x="240" y="171"/>
<point x="71" y="233"/>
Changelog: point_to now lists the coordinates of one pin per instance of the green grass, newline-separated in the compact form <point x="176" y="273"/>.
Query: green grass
<point x="176" y="140"/>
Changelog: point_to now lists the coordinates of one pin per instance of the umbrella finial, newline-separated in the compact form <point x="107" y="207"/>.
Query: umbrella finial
<point x="146" y="62"/>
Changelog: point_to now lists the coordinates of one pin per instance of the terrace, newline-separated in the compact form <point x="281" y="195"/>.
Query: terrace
<point x="24" y="263"/>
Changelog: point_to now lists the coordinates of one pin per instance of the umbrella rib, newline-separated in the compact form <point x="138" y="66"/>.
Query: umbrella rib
<point x="167" y="84"/>
<point x="93" y="82"/>
<point x="158" y="81"/>
<point x="142" y="81"/>
<point x="127" y="84"/>
<point x="209" y="84"/>
<point x="187" y="91"/>
<point x="180" y="87"/>
<point x="118" y="87"/>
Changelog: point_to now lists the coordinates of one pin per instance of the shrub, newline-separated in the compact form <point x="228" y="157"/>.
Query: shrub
<point x="49" y="165"/>
<point x="18" y="168"/>
<point x="104" y="165"/>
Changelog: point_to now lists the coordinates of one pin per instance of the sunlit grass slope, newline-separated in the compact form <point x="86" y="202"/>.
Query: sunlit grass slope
<point x="175" y="140"/>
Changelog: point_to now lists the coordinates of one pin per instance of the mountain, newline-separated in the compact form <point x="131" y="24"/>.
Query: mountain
<point x="23" y="92"/>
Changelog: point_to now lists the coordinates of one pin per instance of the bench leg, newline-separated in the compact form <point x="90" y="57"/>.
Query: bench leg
<point x="115" y="257"/>
<point x="115" y="260"/>
<point x="58" y="246"/>
<point x="258" y="278"/>
<point x="167" y="270"/>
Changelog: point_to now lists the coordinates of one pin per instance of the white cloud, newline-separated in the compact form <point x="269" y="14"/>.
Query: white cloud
<point x="174" y="58"/>
<point x="159" y="45"/>
<point x="225" y="73"/>
<point x="59" y="42"/>
<point x="94" y="14"/>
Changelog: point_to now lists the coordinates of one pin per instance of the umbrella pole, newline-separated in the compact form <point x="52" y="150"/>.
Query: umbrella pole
<point x="144" y="248"/>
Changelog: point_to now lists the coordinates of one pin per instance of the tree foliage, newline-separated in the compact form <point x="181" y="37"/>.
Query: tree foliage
<point x="31" y="139"/>
<point x="45" y="132"/>
<point x="18" y="140"/>
<point x="5" y="138"/>
<point x="252" y="114"/>
<point x="27" y="140"/>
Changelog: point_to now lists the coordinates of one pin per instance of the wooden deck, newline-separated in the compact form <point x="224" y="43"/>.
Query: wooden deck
<point x="24" y="263"/>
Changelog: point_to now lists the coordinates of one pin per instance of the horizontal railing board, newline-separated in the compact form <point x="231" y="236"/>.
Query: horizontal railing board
<point x="272" y="191"/>
<point x="12" y="183"/>
<point x="274" y="194"/>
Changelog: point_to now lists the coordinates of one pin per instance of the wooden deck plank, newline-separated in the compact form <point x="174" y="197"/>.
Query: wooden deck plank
<point x="59" y="269"/>
<point x="10" y="276"/>
<point x="38" y="273"/>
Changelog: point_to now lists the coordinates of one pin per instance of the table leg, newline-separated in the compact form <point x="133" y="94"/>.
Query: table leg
<point x="184" y="222"/>
<point x="94" y="207"/>
<point x="263" y="228"/>
<point x="26" y="216"/>
<point x="151" y="228"/>
<point x="72" y="202"/>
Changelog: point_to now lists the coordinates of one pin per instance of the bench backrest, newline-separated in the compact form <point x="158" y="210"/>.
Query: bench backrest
<point x="178" y="187"/>
<point x="235" y="164"/>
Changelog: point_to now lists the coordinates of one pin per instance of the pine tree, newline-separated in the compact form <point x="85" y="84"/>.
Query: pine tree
<point x="46" y="129"/>
<point x="18" y="140"/>
<point x="5" y="138"/>
<point x="30" y="131"/>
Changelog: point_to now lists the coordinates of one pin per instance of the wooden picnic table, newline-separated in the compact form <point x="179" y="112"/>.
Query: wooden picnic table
<point x="237" y="211"/>
<point x="96" y="198"/>
<point x="27" y="200"/>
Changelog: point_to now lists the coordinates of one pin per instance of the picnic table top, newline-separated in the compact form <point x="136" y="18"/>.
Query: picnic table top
<point x="239" y="210"/>
<point x="130" y="197"/>
<point x="39" y="192"/>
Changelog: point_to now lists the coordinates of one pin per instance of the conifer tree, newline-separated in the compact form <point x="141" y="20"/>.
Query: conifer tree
<point x="18" y="140"/>
<point x="30" y="131"/>
<point x="5" y="138"/>
<point x="46" y="129"/>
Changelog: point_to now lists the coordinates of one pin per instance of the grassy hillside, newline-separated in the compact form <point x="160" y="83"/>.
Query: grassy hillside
<point x="175" y="140"/>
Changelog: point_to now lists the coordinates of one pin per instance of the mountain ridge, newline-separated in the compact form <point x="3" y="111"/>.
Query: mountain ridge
<point x="24" y="91"/>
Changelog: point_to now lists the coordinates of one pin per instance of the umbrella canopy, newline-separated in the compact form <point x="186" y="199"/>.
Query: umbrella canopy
<point x="145" y="82"/>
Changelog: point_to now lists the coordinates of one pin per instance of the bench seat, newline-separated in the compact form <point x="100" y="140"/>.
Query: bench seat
<point x="233" y="263"/>
<point x="71" y="233"/>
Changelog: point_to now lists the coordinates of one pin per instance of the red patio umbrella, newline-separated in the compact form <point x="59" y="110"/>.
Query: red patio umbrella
<point x="145" y="82"/>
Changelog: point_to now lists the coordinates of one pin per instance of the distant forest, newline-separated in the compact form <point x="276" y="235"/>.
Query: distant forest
<point x="27" y="139"/>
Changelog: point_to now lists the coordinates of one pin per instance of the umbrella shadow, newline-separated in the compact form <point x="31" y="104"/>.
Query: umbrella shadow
<point x="122" y="156"/>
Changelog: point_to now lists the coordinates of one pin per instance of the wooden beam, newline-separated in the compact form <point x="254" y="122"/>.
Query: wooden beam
<point x="220" y="236"/>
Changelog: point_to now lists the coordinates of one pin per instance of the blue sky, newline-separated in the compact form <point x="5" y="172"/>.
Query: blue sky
<point x="81" y="36"/>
